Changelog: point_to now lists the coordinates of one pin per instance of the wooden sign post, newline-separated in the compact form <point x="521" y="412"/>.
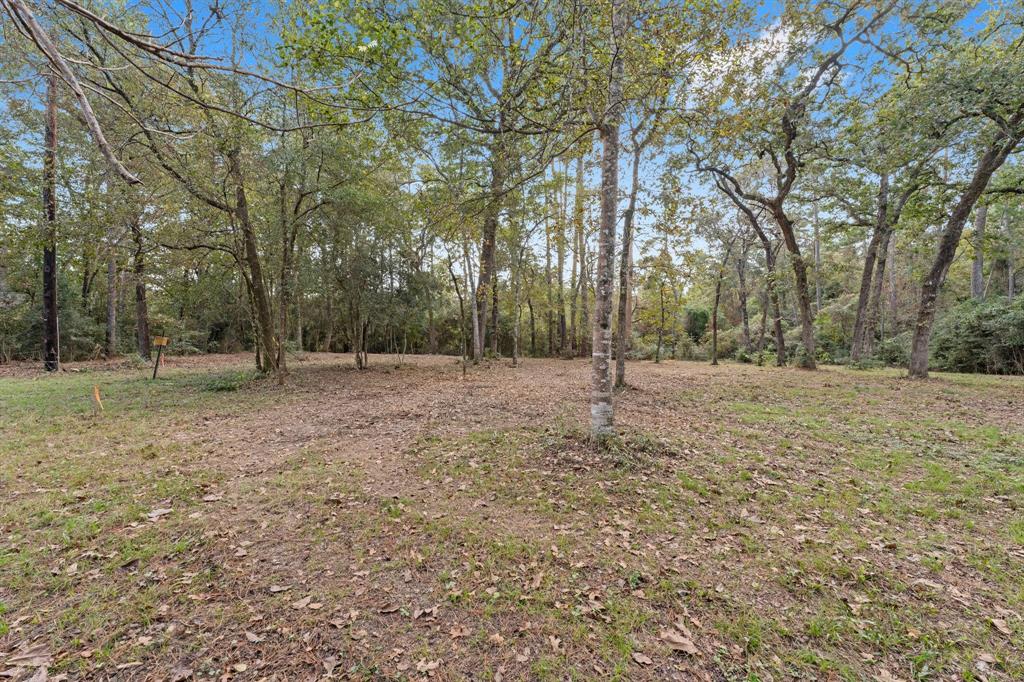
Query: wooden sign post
<point x="159" y="342"/>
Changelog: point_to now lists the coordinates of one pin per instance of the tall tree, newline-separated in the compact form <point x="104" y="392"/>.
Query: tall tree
<point x="51" y="329"/>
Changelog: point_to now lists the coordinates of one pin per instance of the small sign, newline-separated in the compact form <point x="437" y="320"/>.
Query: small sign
<point x="159" y="342"/>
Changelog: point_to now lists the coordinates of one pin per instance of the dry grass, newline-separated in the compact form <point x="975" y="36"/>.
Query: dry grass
<point x="839" y="524"/>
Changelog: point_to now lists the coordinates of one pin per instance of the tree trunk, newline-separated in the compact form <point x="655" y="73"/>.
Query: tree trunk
<point x="141" y="308"/>
<point x="549" y="314"/>
<point x="87" y="276"/>
<point x="803" y="297"/>
<point x="601" y="405"/>
<point x="764" y="321"/>
<point x="625" y="267"/>
<point x="560" y="245"/>
<point x="494" y="318"/>
<point x="478" y="349"/>
<point x="817" y="264"/>
<point x="286" y="274"/>
<point x="462" y="315"/>
<point x="51" y="330"/>
<point x="533" y="329"/>
<point x="978" y="268"/>
<point x="487" y="245"/>
<point x="871" y="256"/>
<point x="874" y="313"/>
<point x="989" y="163"/>
<point x="585" y="295"/>
<point x="714" y="308"/>
<point x="256" y="281"/>
<point x="1011" y="284"/>
<point x="741" y="280"/>
<point x="771" y="282"/>
<point x="574" y="279"/>
<point x="111" y="335"/>
<point x="661" y="323"/>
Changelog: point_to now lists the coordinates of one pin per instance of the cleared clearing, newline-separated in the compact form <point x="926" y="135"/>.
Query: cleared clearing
<point x="402" y="523"/>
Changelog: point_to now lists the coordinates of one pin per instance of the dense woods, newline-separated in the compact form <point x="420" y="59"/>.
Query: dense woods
<point x="802" y="183"/>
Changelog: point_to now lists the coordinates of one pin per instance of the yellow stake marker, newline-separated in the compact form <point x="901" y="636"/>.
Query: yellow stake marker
<point x="97" y="403"/>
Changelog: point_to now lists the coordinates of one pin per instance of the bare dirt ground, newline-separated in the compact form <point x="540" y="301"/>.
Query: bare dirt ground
<point x="408" y="523"/>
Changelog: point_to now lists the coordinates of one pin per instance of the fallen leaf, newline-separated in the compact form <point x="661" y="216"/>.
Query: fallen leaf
<point x="678" y="642"/>
<point x="1000" y="624"/>
<point x="157" y="513"/>
<point x="302" y="603"/>
<point x="280" y="588"/>
<point x="425" y="666"/>
<point x="253" y="637"/>
<point x="33" y="657"/>
<point x="886" y="676"/>
<point x="642" y="659"/>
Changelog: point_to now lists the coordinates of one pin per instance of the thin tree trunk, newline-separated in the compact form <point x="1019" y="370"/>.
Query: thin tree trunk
<point x="533" y="329"/>
<point x="260" y="298"/>
<point x="474" y="309"/>
<point x="1011" y="284"/>
<point x="741" y="279"/>
<point x="494" y="318"/>
<point x="625" y="263"/>
<point x="51" y="330"/>
<point x="111" y="334"/>
<point x="560" y="245"/>
<point x="989" y="163"/>
<point x="487" y="245"/>
<point x="141" y="308"/>
<point x="714" y="308"/>
<point x="462" y="315"/>
<point x="549" y="293"/>
<point x="817" y="264"/>
<point x="86" y="278"/>
<point x="584" y="295"/>
<point x="893" y="292"/>
<point x="874" y="313"/>
<point x="978" y="268"/>
<point x="764" y="321"/>
<point x="871" y="256"/>
<point x="602" y="416"/>
<point x="661" y="323"/>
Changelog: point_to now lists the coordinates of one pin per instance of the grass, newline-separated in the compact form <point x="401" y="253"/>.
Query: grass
<point x="801" y="525"/>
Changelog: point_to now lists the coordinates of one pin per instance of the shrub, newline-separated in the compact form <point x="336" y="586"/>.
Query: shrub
<point x="981" y="336"/>
<point x="696" y="322"/>
<point x="894" y="351"/>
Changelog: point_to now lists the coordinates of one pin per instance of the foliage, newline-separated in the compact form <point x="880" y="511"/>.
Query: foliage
<point x="983" y="337"/>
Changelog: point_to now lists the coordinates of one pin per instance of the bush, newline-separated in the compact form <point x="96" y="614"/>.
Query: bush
<point x="895" y="351"/>
<point x="728" y="342"/>
<point x="696" y="322"/>
<point x="981" y="336"/>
